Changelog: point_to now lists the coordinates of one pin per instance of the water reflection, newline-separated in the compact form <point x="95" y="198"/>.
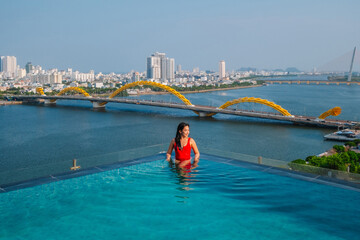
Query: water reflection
<point x="185" y="175"/>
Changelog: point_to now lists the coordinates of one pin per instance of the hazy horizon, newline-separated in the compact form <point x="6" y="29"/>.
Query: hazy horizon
<point x="117" y="36"/>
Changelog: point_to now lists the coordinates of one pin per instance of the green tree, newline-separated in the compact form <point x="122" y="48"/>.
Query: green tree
<point x="299" y="161"/>
<point x="351" y="144"/>
<point x="339" y="148"/>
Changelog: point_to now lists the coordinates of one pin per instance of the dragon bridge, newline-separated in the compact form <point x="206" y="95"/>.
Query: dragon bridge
<point x="149" y="83"/>
<point x="254" y="100"/>
<point x="331" y="112"/>
<point x="40" y="90"/>
<point x="76" y="89"/>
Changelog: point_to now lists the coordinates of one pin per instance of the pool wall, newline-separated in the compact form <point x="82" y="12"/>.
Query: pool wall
<point x="161" y="156"/>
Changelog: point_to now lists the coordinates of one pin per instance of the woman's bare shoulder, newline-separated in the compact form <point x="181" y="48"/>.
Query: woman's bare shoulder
<point x="192" y="140"/>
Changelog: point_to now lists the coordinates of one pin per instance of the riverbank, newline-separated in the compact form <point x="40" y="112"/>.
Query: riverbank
<point x="198" y="91"/>
<point x="4" y="103"/>
<point x="182" y="92"/>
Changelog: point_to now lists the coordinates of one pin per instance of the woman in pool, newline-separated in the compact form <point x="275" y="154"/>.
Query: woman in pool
<point x="183" y="145"/>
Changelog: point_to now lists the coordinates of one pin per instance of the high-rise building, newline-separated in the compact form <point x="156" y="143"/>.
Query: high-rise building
<point x="221" y="69"/>
<point x="153" y="67"/>
<point x="135" y="77"/>
<point x="178" y="68"/>
<point x="160" y="67"/>
<point x="55" y="78"/>
<point x="196" y="70"/>
<point x="170" y="69"/>
<point x="20" y="72"/>
<point x="1" y="60"/>
<point x="29" y="67"/>
<point x="9" y="66"/>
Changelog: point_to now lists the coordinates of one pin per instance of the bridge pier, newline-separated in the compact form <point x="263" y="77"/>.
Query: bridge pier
<point x="204" y="114"/>
<point x="48" y="102"/>
<point x="97" y="105"/>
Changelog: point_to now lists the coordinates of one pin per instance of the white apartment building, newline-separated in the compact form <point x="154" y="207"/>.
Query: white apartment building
<point x="47" y="78"/>
<point x="170" y="69"/>
<point x="8" y="66"/>
<point x="83" y="77"/>
<point x="153" y="67"/>
<point x="160" y="67"/>
<point x="221" y="69"/>
<point x="21" y="73"/>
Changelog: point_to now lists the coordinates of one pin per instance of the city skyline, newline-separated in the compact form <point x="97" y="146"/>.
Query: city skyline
<point x="107" y="37"/>
<point x="166" y="67"/>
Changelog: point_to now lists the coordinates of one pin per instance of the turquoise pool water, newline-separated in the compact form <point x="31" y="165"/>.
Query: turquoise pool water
<point x="155" y="201"/>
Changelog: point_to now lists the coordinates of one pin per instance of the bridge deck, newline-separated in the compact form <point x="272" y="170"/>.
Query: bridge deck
<point x="302" y="120"/>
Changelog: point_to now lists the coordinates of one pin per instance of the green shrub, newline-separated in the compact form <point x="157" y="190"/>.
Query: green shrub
<point x="339" y="148"/>
<point x="351" y="144"/>
<point x="344" y="157"/>
<point x="334" y="162"/>
<point x="307" y="159"/>
<point x="337" y="161"/>
<point x="299" y="161"/>
<point x="353" y="156"/>
<point x="315" y="161"/>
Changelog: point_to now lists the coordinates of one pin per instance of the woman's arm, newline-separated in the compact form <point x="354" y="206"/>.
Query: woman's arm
<point x="196" y="151"/>
<point x="169" y="151"/>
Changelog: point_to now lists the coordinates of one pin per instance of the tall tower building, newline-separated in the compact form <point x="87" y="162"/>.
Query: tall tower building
<point x="221" y="69"/>
<point x="1" y="60"/>
<point x="178" y="68"/>
<point x="135" y="77"/>
<point x="9" y="66"/>
<point x="153" y="67"/>
<point x="163" y="61"/>
<point x="28" y="67"/>
<point x="170" y="69"/>
<point x="160" y="67"/>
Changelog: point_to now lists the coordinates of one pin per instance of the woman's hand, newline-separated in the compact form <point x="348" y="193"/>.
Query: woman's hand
<point x="195" y="164"/>
<point x="196" y="151"/>
<point x="169" y="151"/>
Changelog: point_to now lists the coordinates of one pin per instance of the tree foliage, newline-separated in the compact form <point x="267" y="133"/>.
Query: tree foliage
<point x="338" y="161"/>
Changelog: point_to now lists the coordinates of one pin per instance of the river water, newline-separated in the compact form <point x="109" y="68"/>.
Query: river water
<point x="35" y="135"/>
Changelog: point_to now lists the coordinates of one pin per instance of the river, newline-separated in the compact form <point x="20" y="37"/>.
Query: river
<point x="35" y="135"/>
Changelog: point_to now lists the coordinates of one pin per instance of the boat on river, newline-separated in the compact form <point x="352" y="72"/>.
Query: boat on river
<point x="343" y="135"/>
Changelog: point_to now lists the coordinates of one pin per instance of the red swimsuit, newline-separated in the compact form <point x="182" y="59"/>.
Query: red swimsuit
<point x="184" y="154"/>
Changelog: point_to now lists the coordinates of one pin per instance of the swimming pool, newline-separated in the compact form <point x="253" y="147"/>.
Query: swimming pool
<point x="151" y="200"/>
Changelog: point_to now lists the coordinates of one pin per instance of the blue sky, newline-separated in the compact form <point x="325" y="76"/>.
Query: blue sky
<point x="117" y="36"/>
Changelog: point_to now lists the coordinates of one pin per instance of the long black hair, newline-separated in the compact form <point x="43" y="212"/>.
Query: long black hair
<point x="178" y="135"/>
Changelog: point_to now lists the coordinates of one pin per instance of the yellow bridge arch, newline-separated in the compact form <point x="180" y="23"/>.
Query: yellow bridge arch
<point x="149" y="83"/>
<point x="40" y="90"/>
<point x="254" y="100"/>
<point x="76" y="89"/>
<point x="331" y="112"/>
